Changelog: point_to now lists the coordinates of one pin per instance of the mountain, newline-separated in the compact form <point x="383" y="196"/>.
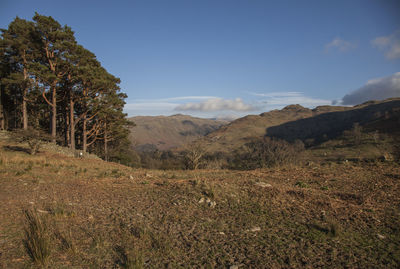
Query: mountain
<point x="239" y="131"/>
<point x="297" y="122"/>
<point x="382" y="116"/>
<point x="167" y="132"/>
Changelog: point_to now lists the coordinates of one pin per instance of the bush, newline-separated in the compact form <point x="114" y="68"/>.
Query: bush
<point x="33" y="137"/>
<point x="194" y="155"/>
<point x="267" y="152"/>
<point x="355" y="134"/>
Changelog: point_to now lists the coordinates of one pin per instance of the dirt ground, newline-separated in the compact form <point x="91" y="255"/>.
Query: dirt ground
<point x="104" y="215"/>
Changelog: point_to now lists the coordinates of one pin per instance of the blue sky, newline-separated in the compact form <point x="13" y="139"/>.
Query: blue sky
<point x="229" y="58"/>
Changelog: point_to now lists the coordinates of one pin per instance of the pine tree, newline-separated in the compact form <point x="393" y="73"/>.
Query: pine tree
<point x="56" y="43"/>
<point x="43" y="66"/>
<point x="20" y="49"/>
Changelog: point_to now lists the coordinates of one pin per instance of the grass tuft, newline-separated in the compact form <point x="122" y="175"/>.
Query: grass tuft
<point x="129" y="259"/>
<point x="37" y="238"/>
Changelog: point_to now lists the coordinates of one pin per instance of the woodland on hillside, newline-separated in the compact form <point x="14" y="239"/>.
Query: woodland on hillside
<point x="53" y="88"/>
<point x="49" y="82"/>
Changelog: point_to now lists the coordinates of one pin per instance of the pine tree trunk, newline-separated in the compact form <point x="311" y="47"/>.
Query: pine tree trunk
<point x="105" y="143"/>
<point x="54" y="113"/>
<point x="2" y="116"/>
<point x="105" y="149"/>
<point x="24" y="96"/>
<point x="72" y="123"/>
<point x="24" y="112"/>
<point x="67" y="127"/>
<point x="24" y="103"/>
<point x="84" y="135"/>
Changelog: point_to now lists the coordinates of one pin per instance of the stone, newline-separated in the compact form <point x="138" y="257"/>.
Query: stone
<point x="212" y="204"/>
<point x="381" y="236"/>
<point x="43" y="211"/>
<point x="263" y="185"/>
<point x="255" y="229"/>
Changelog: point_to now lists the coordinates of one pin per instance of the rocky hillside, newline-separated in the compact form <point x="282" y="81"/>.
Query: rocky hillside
<point x="165" y="133"/>
<point x="381" y="116"/>
<point x="296" y="122"/>
<point x="64" y="212"/>
<point x="241" y="130"/>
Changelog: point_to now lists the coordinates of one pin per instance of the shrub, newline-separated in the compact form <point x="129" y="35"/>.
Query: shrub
<point x="267" y="152"/>
<point x="194" y="155"/>
<point x="33" y="137"/>
<point x="355" y="134"/>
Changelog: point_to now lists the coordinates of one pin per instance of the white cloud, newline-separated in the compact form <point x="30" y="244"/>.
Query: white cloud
<point x="178" y="98"/>
<point x="375" y="89"/>
<point x="150" y="108"/>
<point x="390" y="45"/>
<point x="280" y="99"/>
<point x="217" y="104"/>
<point x="149" y="105"/>
<point x="340" y="44"/>
<point x="159" y="106"/>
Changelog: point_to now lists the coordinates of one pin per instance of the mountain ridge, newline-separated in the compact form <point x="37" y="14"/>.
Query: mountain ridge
<point x="279" y="123"/>
<point x="168" y="132"/>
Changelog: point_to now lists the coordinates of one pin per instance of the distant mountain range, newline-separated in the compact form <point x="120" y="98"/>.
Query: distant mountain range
<point x="290" y="123"/>
<point x="168" y="132"/>
<point x="297" y="122"/>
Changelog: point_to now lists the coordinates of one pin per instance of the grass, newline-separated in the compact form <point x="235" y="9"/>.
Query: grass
<point x="104" y="215"/>
<point x="37" y="238"/>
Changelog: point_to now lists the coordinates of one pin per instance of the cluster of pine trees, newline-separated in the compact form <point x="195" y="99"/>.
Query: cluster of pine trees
<point x="50" y="82"/>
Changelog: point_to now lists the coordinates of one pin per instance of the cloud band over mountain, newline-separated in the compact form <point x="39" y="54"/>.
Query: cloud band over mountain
<point x="217" y="104"/>
<point x="375" y="89"/>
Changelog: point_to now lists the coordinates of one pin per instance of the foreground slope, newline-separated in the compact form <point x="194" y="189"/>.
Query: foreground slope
<point x="163" y="133"/>
<point x="105" y="215"/>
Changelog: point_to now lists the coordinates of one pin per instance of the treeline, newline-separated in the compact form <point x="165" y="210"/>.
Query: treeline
<point x="257" y="153"/>
<point x="50" y="82"/>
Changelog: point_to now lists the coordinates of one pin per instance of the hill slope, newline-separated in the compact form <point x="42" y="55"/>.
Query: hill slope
<point x="239" y="131"/>
<point x="332" y="124"/>
<point x="297" y="122"/>
<point x="91" y="213"/>
<point x="164" y="133"/>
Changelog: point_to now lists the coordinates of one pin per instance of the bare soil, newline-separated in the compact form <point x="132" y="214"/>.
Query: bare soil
<point x="105" y="215"/>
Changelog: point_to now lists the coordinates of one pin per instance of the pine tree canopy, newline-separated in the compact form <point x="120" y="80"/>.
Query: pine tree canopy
<point x="52" y="83"/>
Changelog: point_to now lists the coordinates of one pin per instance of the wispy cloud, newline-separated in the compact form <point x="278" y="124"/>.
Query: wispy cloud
<point x="340" y="44"/>
<point x="150" y="105"/>
<point x="202" y="106"/>
<point x="177" y="98"/>
<point x="375" y="89"/>
<point x="390" y="45"/>
<point x="279" y="99"/>
<point x="149" y="108"/>
<point x="217" y="104"/>
<point x="217" y="107"/>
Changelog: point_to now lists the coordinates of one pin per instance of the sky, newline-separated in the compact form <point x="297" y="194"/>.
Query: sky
<point x="230" y="58"/>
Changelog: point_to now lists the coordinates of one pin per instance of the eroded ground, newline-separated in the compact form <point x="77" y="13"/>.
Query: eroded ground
<point x="104" y="215"/>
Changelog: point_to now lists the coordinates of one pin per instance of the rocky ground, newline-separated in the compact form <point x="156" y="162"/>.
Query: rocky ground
<point x="103" y="215"/>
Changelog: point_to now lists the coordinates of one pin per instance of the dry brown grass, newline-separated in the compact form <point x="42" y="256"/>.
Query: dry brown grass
<point x="105" y="215"/>
<point x="37" y="238"/>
